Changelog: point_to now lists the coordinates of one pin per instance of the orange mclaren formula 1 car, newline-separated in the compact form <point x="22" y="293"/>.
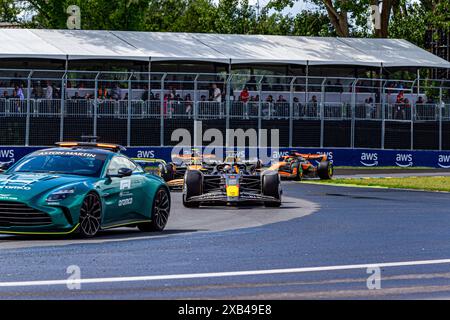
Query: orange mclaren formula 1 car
<point x="297" y="166"/>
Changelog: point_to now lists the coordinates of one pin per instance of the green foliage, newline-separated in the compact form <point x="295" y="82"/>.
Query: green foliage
<point x="8" y="11"/>
<point x="224" y="16"/>
<point x="411" y="27"/>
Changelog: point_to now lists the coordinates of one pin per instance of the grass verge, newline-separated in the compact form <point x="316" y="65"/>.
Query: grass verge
<point x="418" y="183"/>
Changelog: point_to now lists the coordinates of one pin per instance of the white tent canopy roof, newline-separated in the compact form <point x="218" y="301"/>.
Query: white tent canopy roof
<point x="234" y="49"/>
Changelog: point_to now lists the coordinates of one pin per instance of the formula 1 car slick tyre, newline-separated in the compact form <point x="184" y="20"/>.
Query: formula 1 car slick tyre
<point x="193" y="185"/>
<point x="271" y="187"/>
<point x="299" y="174"/>
<point x="325" y="170"/>
<point x="169" y="173"/>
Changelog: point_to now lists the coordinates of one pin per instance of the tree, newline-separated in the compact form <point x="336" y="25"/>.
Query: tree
<point x="349" y="17"/>
<point x="8" y="11"/>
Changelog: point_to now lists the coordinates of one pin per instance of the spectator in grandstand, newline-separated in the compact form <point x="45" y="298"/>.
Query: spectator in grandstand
<point x="265" y="85"/>
<point x="56" y="93"/>
<point x="147" y="95"/>
<point x="217" y="94"/>
<point x="311" y="108"/>
<point x="281" y="98"/>
<point x="19" y="92"/>
<point x="203" y="98"/>
<point x="338" y="86"/>
<point x="245" y="95"/>
<point x="369" y="107"/>
<point x="38" y="92"/>
<point x="399" y="108"/>
<point x="76" y="96"/>
<point x="420" y="100"/>
<point x="269" y="98"/>
<point x="188" y="104"/>
<point x="5" y="95"/>
<point x="49" y="91"/>
<point x="115" y="92"/>
<point x="173" y="94"/>
<point x="406" y="112"/>
<point x="400" y="97"/>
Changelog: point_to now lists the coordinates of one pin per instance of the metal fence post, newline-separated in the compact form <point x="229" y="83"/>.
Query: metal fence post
<point x="130" y="92"/>
<point x="96" y="104"/>
<point x="227" y="111"/>
<point x="196" y="102"/>
<point x="441" y="106"/>
<point x="291" y="111"/>
<point x="353" y="110"/>
<point x="62" y="111"/>
<point x="322" y="112"/>
<point x="161" y="100"/>
<point x="413" y="112"/>
<point x="259" y="110"/>
<point x="196" y="107"/>
<point x="27" y="121"/>
<point x="383" y="114"/>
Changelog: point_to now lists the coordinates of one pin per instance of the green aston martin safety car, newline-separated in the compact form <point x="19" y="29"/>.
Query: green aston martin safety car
<point x="80" y="187"/>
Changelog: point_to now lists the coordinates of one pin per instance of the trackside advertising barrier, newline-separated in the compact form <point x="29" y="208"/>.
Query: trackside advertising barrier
<point x="339" y="157"/>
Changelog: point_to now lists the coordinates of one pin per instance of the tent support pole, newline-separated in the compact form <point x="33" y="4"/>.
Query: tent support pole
<point x="382" y="100"/>
<point x="149" y="85"/>
<point x="307" y="82"/>
<point x="66" y="67"/>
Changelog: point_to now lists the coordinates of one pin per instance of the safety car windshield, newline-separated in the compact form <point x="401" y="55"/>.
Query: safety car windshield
<point x="61" y="162"/>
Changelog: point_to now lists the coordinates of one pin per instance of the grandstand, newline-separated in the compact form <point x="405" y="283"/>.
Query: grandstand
<point x="135" y="88"/>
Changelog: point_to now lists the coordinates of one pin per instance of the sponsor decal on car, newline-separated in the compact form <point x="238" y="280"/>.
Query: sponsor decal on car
<point x="125" y="186"/>
<point x="125" y="202"/>
<point x="70" y="153"/>
<point x="7" y="197"/>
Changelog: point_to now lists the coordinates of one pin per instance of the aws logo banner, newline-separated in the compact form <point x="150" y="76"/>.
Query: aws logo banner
<point x="444" y="161"/>
<point x="369" y="159"/>
<point x="7" y="154"/>
<point x="404" y="160"/>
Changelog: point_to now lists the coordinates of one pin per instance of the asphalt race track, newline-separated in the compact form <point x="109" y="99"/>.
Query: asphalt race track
<point x="318" y="245"/>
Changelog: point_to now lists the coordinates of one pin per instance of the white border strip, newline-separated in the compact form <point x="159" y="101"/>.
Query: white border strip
<point x="221" y="274"/>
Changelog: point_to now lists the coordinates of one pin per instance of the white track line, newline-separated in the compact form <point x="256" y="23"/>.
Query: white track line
<point x="221" y="274"/>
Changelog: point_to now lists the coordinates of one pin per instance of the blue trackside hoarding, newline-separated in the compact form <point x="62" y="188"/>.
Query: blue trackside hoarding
<point x="339" y="157"/>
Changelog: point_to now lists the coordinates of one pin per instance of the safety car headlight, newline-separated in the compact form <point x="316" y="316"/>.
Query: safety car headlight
<point x="60" y="194"/>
